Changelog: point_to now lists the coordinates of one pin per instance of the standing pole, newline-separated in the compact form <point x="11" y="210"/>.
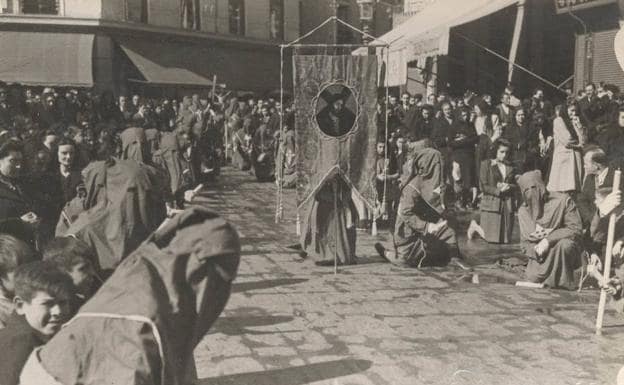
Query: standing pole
<point x="608" y="257"/>
<point x="214" y="87"/>
<point x="335" y="185"/>
<point x="280" y="173"/>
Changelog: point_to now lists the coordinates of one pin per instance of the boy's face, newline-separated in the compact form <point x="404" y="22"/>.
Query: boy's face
<point x="45" y="313"/>
<point x="82" y="275"/>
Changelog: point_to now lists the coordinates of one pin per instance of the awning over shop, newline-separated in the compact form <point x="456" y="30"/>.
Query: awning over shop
<point x="46" y="59"/>
<point x="168" y="62"/>
<point x="427" y="33"/>
<point x="163" y="65"/>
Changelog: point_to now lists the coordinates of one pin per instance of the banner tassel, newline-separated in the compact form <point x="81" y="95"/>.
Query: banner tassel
<point x="298" y="227"/>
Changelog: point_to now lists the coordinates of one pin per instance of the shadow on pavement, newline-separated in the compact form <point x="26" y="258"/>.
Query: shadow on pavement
<point x="297" y="375"/>
<point x="265" y="284"/>
<point x="238" y="325"/>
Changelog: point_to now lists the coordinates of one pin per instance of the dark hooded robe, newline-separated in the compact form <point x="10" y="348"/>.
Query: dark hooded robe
<point x="170" y="159"/>
<point x="263" y="154"/>
<point x="420" y="205"/>
<point x="124" y="203"/>
<point x="143" y="324"/>
<point x="556" y="218"/>
<point x="134" y="145"/>
<point x="329" y="228"/>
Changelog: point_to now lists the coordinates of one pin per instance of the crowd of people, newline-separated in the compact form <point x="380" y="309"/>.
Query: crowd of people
<point x="96" y="226"/>
<point x="95" y="223"/>
<point x="548" y="168"/>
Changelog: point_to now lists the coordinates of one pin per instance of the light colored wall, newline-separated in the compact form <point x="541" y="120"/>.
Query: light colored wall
<point x="208" y="9"/>
<point x="164" y="13"/>
<point x="291" y="20"/>
<point x="257" y="19"/>
<point x="223" y="24"/>
<point x="87" y="9"/>
<point x="113" y="10"/>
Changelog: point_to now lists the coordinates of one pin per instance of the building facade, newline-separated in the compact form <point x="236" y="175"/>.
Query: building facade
<point x="149" y="45"/>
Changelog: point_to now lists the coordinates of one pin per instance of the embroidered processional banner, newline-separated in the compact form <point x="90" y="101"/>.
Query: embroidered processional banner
<point x="336" y="131"/>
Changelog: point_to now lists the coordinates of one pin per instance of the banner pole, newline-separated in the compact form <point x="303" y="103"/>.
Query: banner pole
<point x="608" y="257"/>
<point x="335" y="185"/>
<point x="280" y="161"/>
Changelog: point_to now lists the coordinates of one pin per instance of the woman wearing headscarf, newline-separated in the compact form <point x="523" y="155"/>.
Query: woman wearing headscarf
<point x="567" y="160"/>
<point x="551" y="230"/>
<point x="421" y="235"/>
<point x="143" y="324"/>
<point x="329" y="228"/>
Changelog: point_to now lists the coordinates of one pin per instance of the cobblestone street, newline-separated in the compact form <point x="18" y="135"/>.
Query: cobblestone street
<point x="290" y="322"/>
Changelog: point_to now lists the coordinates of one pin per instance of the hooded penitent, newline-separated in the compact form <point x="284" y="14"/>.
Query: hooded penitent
<point x="143" y="324"/>
<point x="170" y="159"/>
<point x="125" y="202"/>
<point x="425" y="169"/>
<point x="134" y="145"/>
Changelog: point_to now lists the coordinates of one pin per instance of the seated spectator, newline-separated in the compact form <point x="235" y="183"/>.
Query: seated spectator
<point x="77" y="259"/>
<point x="155" y="309"/>
<point x="42" y="305"/>
<point x="551" y="228"/>
<point x="497" y="182"/>
<point x="13" y="253"/>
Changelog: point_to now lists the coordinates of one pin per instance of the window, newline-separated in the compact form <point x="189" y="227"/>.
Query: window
<point x="40" y="7"/>
<point x="136" y="10"/>
<point x="191" y="15"/>
<point x="276" y="19"/>
<point x="236" y="12"/>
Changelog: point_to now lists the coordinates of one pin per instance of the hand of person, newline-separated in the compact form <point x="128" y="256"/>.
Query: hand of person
<point x="614" y="286"/>
<point x="30" y="218"/>
<point x="610" y="203"/>
<point x="189" y="195"/>
<point x="618" y="248"/>
<point x="505" y="187"/>
<point x="433" y="228"/>
<point x="542" y="247"/>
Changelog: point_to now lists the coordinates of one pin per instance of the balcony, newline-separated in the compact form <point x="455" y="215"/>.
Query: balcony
<point x="32" y="7"/>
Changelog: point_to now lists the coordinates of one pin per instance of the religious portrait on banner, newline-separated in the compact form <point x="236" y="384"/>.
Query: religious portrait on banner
<point x="336" y="109"/>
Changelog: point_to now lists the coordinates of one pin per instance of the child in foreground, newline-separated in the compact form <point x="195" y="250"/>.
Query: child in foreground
<point x="13" y="253"/>
<point x="42" y="305"/>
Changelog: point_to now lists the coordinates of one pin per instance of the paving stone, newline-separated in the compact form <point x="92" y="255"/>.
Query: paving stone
<point x="290" y="322"/>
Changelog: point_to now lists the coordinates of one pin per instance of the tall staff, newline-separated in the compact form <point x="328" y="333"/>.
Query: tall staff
<point x="608" y="257"/>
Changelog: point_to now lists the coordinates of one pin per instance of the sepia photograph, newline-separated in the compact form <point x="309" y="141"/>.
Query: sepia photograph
<point x="311" y="192"/>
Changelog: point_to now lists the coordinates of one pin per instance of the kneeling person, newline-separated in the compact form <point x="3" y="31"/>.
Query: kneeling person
<point x="422" y="236"/>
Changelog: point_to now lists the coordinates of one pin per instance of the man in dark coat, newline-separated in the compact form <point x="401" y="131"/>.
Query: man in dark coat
<point x="335" y="119"/>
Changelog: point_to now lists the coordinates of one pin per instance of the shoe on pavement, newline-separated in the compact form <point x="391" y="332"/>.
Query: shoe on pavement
<point x="381" y="251"/>
<point x="456" y="262"/>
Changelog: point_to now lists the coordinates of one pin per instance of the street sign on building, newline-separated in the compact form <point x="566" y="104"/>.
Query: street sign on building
<point x="564" y="6"/>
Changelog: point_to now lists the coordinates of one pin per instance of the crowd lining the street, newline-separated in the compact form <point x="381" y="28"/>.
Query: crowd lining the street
<point x="87" y="181"/>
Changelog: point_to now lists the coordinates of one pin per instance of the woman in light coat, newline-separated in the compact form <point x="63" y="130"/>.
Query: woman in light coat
<point x="567" y="162"/>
